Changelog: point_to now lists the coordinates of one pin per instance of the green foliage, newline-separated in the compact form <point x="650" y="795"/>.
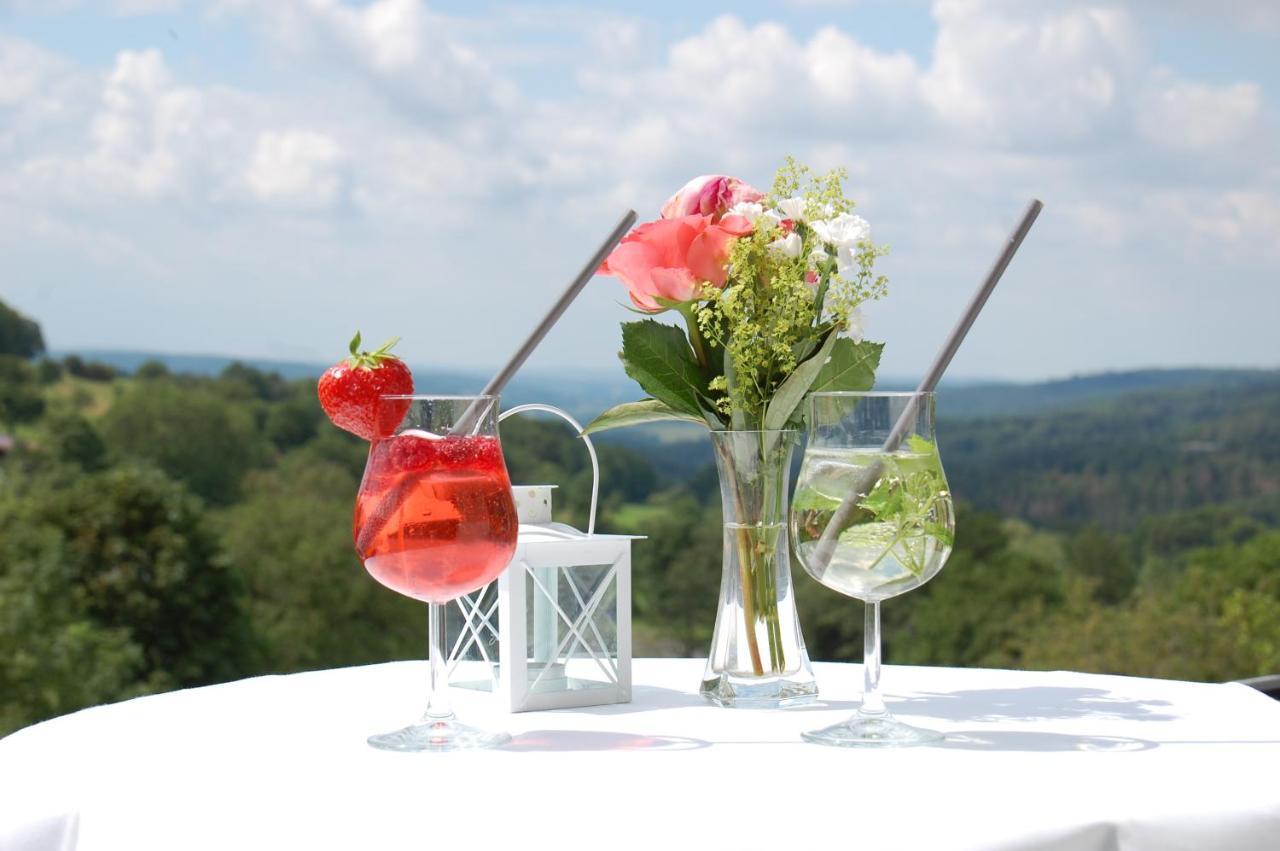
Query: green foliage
<point x="310" y="602"/>
<point x="48" y="371"/>
<point x="658" y="357"/>
<point x="88" y="370"/>
<point x="150" y="369"/>
<point x="1118" y="464"/>
<point x="191" y="433"/>
<point x="851" y="367"/>
<point x="638" y="413"/>
<point x="19" y="335"/>
<point x="20" y="397"/>
<point x="54" y="656"/>
<point x="146" y="590"/>
<point x="295" y="421"/>
<point x="1147" y="542"/>
<point x="1103" y="558"/>
<point x="72" y="439"/>
<point x="242" y="381"/>
<point x="1214" y="622"/>
<point x="781" y="407"/>
<point x="675" y="574"/>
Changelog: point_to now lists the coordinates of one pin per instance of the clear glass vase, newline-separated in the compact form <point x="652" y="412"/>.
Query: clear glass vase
<point x="758" y="659"/>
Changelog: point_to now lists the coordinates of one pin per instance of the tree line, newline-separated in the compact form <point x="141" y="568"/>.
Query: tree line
<point x="161" y="530"/>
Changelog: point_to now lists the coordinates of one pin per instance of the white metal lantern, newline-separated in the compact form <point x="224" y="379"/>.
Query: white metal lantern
<point x="554" y="630"/>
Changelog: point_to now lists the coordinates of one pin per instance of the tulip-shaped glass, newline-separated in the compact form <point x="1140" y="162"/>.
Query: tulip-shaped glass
<point x="872" y="518"/>
<point x="435" y="520"/>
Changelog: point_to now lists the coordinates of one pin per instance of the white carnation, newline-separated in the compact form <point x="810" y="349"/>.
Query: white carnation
<point x="792" y="208"/>
<point x="843" y="230"/>
<point x="756" y="214"/>
<point x="789" y="246"/>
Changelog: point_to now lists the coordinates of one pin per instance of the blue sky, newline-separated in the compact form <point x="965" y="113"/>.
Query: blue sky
<point x="260" y="177"/>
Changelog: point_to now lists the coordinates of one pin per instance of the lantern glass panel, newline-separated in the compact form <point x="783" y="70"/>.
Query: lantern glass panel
<point x="571" y="617"/>
<point x="472" y="630"/>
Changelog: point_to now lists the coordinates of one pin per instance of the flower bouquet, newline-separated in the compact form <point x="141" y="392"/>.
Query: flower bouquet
<point x="769" y="287"/>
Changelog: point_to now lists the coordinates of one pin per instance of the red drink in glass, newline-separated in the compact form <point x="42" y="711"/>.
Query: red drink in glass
<point x="434" y="517"/>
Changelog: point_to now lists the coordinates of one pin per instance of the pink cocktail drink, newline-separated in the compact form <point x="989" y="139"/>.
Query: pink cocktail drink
<point x="434" y="517"/>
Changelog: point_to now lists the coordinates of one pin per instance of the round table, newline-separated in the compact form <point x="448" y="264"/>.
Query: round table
<point x="1032" y="760"/>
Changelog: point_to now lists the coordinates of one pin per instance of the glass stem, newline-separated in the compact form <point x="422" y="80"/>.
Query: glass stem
<point x="438" y="708"/>
<point x="872" y="700"/>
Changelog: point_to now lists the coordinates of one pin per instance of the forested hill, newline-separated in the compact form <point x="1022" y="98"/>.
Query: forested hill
<point x="585" y="394"/>
<point x="997" y="398"/>
<point x="162" y="530"/>
<point x="1114" y="462"/>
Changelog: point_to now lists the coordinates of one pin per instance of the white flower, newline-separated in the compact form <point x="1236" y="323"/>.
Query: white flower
<point x="789" y="246"/>
<point x="756" y="214"/>
<point x="847" y="265"/>
<point x="843" y="230"/>
<point x="792" y="208"/>
<point x="818" y="256"/>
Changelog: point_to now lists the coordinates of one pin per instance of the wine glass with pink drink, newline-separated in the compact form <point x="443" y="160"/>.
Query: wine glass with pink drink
<point x="435" y="520"/>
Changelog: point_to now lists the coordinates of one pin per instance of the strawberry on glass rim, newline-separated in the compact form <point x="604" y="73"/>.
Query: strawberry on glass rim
<point x="349" y="391"/>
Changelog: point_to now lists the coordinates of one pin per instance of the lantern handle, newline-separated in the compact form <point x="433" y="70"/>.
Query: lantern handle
<point x="591" y="450"/>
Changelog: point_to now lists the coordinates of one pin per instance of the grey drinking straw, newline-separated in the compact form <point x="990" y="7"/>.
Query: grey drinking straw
<point x="495" y="385"/>
<point x="826" y="545"/>
<point x="474" y="413"/>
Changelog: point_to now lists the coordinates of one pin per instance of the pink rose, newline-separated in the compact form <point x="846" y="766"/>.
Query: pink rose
<point x="709" y="195"/>
<point x="672" y="259"/>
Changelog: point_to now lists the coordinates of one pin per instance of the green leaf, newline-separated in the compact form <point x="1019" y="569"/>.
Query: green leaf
<point x="852" y="367"/>
<point x="789" y="393"/>
<point x="658" y="357"/>
<point x="919" y="445"/>
<point x="635" y="413"/>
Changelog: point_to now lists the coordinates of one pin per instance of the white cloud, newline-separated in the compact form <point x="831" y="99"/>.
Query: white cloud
<point x="400" y="47"/>
<point x="1031" y="74"/>
<point x="297" y="166"/>
<point x="122" y="8"/>
<point x="1199" y="118"/>
<point x="1249" y="15"/>
<point x="144" y="7"/>
<point x="145" y="122"/>
<point x="385" y="143"/>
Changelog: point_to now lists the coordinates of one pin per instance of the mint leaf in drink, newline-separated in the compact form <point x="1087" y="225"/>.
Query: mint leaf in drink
<point x="919" y="445"/>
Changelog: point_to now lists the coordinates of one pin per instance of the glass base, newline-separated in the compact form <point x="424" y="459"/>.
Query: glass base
<point x="867" y="731"/>
<point x="759" y="692"/>
<point x="438" y="735"/>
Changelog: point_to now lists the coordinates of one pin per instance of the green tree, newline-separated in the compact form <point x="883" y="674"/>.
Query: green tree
<point x="19" y="335"/>
<point x="74" y="440"/>
<point x="1105" y="558"/>
<point x="189" y="432"/>
<point x="20" y="397"/>
<point x="1216" y="622"/>
<point x="294" y="421"/>
<point x="973" y="613"/>
<point x="675" y="572"/>
<point x="311" y="602"/>
<point x="54" y="656"/>
<point x="149" y="369"/>
<point x="132" y="556"/>
<point x="48" y="371"/>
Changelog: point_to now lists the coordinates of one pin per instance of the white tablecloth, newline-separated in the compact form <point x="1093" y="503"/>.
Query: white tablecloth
<point x="1032" y="761"/>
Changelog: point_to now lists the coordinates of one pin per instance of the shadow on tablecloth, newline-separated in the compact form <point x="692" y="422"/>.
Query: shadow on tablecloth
<point x="1032" y="703"/>
<point x="1039" y="742"/>
<point x="599" y="740"/>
